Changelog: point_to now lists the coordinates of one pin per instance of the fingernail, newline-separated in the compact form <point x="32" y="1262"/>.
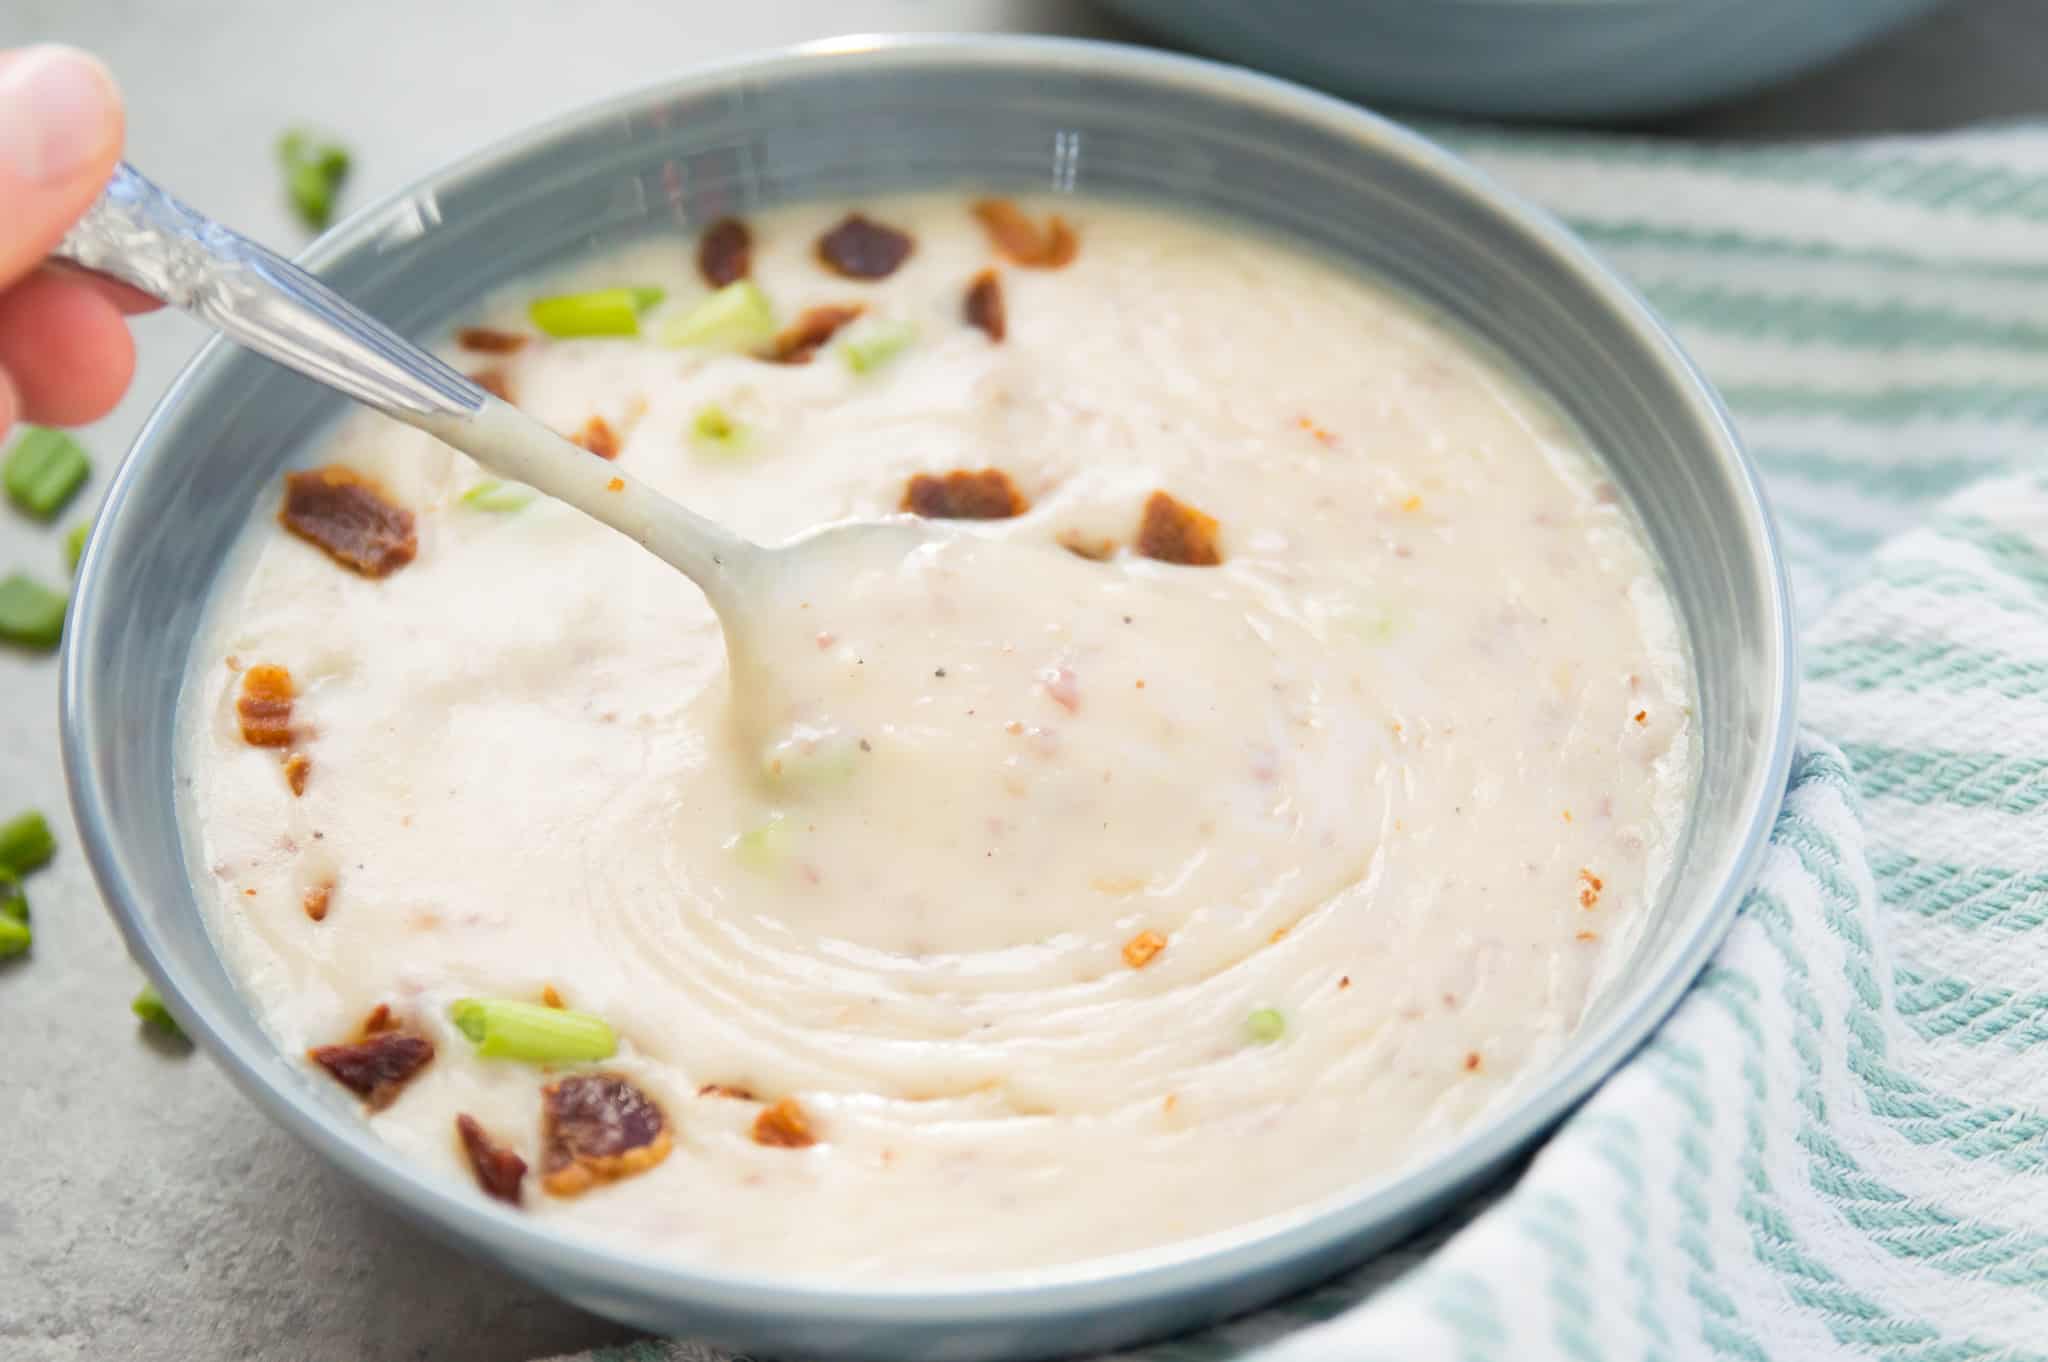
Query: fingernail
<point x="58" y="111"/>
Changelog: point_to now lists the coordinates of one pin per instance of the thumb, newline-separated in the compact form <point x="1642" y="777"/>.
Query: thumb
<point x="60" y="134"/>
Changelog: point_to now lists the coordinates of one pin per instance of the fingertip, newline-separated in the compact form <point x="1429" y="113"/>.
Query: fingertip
<point x="66" y="348"/>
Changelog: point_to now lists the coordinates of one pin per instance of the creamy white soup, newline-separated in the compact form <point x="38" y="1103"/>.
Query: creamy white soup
<point x="1246" y="782"/>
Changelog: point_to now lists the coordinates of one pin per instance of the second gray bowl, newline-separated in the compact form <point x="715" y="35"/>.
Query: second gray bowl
<point x="863" y="117"/>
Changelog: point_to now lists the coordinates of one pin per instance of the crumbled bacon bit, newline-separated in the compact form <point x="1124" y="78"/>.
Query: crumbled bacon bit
<point x="1472" y="1061"/>
<point x="598" y="1127"/>
<point x="1174" y="532"/>
<point x="378" y="1067"/>
<point x="1172" y="1100"/>
<point x="1345" y="982"/>
<point x="1061" y="684"/>
<point x="549" y="997"/>
<point x="297" y="767"/>
<point x="498" y="1170"/>
<point x="379" y="1019"/>
<point x="1642" y="716"/>
<point x="265" y="706"/>
<point x="1588" y="936"/>
<point x="1140" y="949"/>
<point x="599" y="438"/>
<point x="486" y="340"/>
<point x="784" y="1126"/>
<point x="801" y="339"/>
<point x="725" y="252"/>
<point x="1087" y="546"/>
<point x="1021" y="239"/>
<point x="1590" y="886"/>
<point x="345" y="514"/>
<point x="1413" y="503"/>
<point x="615" y="485"/>
<point x="495" y="382"/>
<point x="861" y="248"/>
<point x="737" y="1094"/>
<point x="1322" y="435"/>
<point x="963" y="495"/>
<point x="1279" y="935"/>
<point x="315" y="902"/>
<point x="984" y="305"/>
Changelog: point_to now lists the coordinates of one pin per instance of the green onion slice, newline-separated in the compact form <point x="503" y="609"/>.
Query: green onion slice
<point x="1266" y="1025"/>
<point x="605" y="312"/>
<point x="873" y="344"/>
<point x="13" y="898"/>
<point x="493" y="495"/>
<point x="737" y="317"/>
<point x="765" y="850"/>
<point x="30" y="613"/>
<point x="313" y="173"/>
<point x="716" y="431"/>
<point x="44" y="471"/>
<point x="149" y="1005"/>
<point x="74" y="544"/>
<point x="25" y="843"/>
<point x="15" y="937"/>
<point x="504" y="1029"/>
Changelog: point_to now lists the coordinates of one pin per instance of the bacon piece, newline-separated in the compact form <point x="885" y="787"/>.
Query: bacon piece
<point x="315" y="902"/>
<point x="784" y="1126"/>
<point x="861" y="248"/>
<point x="983" y="305"/>
<point x="487" y="341"/>
<point x="550" y="998"/>
<point x="1472" y="1061"/>
<point x="265" y="706"/>
<point x="297" y="767"/>
<point x="802" y="338"/>
<point x="498" y="1170"/>
<point x="1174" y="532"/>
<point x="1087" y="546"/>
<point x="725" y="252"/>
<point x="964" y="495"/>
<point x="347" y="516"/>
<point x="726" y="1090"/>
<point x="495" y="382"/>
<point x="598" y="1127"/>
<point x="1140" y="949"/>
<point x="1021" y="239"/>
<point x="379" y="1019"/>
<point x="1590" y="886"/>
<point x="599" y="438"/>
<point x="378" y="1067"/>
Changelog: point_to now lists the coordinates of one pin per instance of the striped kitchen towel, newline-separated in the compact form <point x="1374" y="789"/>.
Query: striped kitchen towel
<point x="1837" y="1147"/>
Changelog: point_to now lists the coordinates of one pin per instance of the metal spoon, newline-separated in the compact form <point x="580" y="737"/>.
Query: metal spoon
<point x="137" y="233"/>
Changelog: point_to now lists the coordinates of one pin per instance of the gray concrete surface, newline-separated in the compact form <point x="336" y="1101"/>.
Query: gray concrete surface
<point x="146" y="1210"/>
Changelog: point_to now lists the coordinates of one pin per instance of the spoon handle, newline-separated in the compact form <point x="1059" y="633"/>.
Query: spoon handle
<point x="140" y="235"/>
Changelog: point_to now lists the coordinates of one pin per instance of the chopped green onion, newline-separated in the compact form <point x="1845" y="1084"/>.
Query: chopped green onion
<point x="537" y="1034"/>
<point x="765" y="850"/>
<point x="1265" y="1025"/>
<point x="25" y="843"/>
<point x="45" y="470"/>
<point x="493" y="495"/>
<point x="737" y="317"/>
<point x="876" y="343"/>
<point x="812" y="763"/>
<point x="149" y="1005"/>
<point x="13" y="898"/>
<point x="15" y="937"/>
<point x="30" y="613"/>
<point x="605" y="312"/>
<point x="313" y="173"/>
<point x="74" y="544"/>
<point x="715" y="430"/>
<point x="1374" y="623"/>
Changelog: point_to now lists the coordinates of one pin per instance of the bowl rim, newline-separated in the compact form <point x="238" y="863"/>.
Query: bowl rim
<point x="1184" y="1266"/>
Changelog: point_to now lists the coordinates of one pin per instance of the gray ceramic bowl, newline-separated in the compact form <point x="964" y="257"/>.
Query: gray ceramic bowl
<point x="859" y="117"/>
<point x="1527" y="58"/>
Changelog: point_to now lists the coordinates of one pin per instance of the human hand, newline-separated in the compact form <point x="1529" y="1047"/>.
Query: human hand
<point x="65" y="352"/>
